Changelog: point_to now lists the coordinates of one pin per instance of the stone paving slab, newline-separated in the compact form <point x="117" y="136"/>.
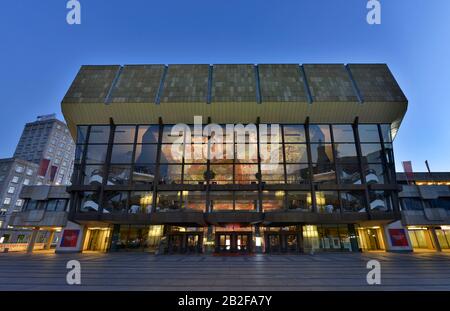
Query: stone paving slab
<point x="141" y="271"/>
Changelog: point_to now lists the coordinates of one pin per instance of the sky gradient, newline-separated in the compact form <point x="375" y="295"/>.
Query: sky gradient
<point x="41" y="53"/>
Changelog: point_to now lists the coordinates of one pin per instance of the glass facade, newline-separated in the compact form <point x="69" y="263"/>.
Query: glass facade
<point x="328" y="168"/>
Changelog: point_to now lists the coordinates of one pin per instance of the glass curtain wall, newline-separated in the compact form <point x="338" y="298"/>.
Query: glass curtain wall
<point x="291" y="154"/>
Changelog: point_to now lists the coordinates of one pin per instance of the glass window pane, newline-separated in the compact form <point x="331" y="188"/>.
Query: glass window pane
<point x="168" y="200"/>
<point x="222" y="174"/>
<point x="380" y="201"/>
<point x="346" y="153"/>
<point x="221" y="200"/>
<point x="92" y="174"/>
<point x="194" y="200"/>
<point x="386" y="133"/>
<point x="294" y="134"/>
<point x="321" y="153"/>
<point x="122" y="154"/>
<point x="343" y="133"/>
<point x="144" y="174"/>
<point x="246" y="153"/>
<point x="246" y="173"/>
<point x="299" y="201"/>
<point x="194" y="173"/>
<point x="170" y="153"/>
<point x="89" y="202"/>
<point x="375" y="174"/>
<point x="271" y="153"/>
<point x="296" y="153"/>
<point x="79" y="149"/>
<point x="115" y="202"/>
<point x="147" y="154"/>
<point x="99" y="134"/>
<point x="124" y="134"/>
<point x="412" y="204"/>
<point x="353" y="202"/>
<point x="170" y="173"/>
<point x="147" y="134"/>
<point x="119" y="174"/>
<point x="368" y="133"/>
<point x="273" y="200"/>
<point x="272" y="173"/>
<point x="319" y="133"/>
<point x="349" y="174"/>
<point x="324" y="173"/>
<point x="96" y="154"/>
<point x="82" y="134"/>
<point x="297" y="173"/>
<point x="246" y="200"/>
<point x="371" y="153"/>
<point x="327" y="201"/>
<point x="141" y="202"/>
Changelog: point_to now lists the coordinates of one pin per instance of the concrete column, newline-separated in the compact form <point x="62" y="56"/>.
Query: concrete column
<point x="33" y="238"/>
<point x="435" y="240"/>
<point x="48" y="244"/>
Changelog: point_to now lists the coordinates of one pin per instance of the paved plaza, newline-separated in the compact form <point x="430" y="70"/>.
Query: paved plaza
<point x="141" y="271"/>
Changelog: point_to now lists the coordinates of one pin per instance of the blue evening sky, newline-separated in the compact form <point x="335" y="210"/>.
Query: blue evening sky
<point x="40" y="53"/>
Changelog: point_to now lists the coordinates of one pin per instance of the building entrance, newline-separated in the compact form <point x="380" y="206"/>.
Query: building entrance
<point x="97" y="240"/>
<point x="234" y="242"/>
<point x="282" y="242"/>
<point x="185" y="242"/>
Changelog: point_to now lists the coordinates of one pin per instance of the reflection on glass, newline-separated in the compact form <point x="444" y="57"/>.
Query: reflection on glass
<point x="246" y="173"/>
<point x="81" y="134"/>
<point x="194" y="200"/>
<point x="386" y="133"/>
<point x="371" y="153"/>
<point x="380" y="201"/>
<point x="375" y="174"/>
<point x="141" y="202"/>
<point x="89" y="202"/>
<point x="115" y="202"/>
<point x="170" y="173"/>
<point x="273" y="200"/>
<point x="272" y="173"/>
<point x="321" y="153"/>
<point x="319" y="133"/>
<point x="99" y="134"/>
<point x="246" y="200"/>
<point x="368" y="133"/>
<point x="349" y="174"/>
<point x="147" y="134"/>
<point x="96" y="154"/>
<point x="122" y="154"/>
<point x="353" y="202"/>
<point x="168" y="200"/>
<point x="346" y="153"/>
<point x="296" y="153"/>
<point x="194" y="173"/>
<point x="147" y="154"/>
<point x="297" y="173"/>
<point x="124" y="134"/>
<point x="298" y="200"/>
<point x="144" y="174"/>
<point x="119" y="174"/>
<point x="294" y="134"/>
<point x="327" y="201"/>
<point x="222" y="173"/>
<point x="343" y="133"/>
<point x="92" y="174"/>
<point x="221" y="200"/>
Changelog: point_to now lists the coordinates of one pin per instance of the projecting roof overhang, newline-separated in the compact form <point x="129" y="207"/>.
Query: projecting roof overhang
<point x="278" y="93"/>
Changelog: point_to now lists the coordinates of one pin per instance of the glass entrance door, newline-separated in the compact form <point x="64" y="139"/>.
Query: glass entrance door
<point x="233" y="242"/>
<point x="282" y="242"/>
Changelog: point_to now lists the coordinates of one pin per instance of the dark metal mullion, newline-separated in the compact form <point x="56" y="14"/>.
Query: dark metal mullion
<point x="286" y="201"/>
<point x="107" y="164"/>
<point x="157" y="166"/>
<point x="310" y="165"/>
<point x="208" y="177"/>
<point x="80" y="176"/>
<point x="133" y="164"/>
<point x="336" y="178"/>
<point x="259" y="177"/>
<point x="363" y="178"/>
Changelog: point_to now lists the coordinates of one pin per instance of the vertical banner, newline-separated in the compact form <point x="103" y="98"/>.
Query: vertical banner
<point x="407" y="168"/>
